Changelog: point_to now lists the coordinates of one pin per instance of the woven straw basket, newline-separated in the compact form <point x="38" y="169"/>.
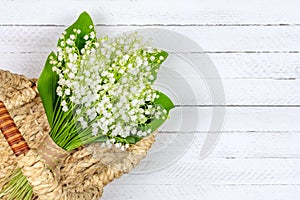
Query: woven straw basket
<point x="81" y="175"/>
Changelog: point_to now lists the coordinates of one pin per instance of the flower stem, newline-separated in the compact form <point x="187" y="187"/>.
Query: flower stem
<point x="18" y="187"/>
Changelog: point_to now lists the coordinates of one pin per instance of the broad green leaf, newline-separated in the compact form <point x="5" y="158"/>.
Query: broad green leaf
<point x="48" y="79"/>
<point x="47" y="84"/>
<point x="83" y="24"/>
<point x="165" y="102"/>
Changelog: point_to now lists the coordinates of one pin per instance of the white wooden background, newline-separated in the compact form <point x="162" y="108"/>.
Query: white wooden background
<point x="255" y="46"/>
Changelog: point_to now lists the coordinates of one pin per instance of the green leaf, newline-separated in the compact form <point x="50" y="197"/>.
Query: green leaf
<point x="165" y="102"/>
<point x="47" y="84"/>
<point x="156" y="63"/>
<point x="83" y="24"/>
<point x="133" y="139"/>
<point x="102" y="138"/>
<point x="48" y="79"/>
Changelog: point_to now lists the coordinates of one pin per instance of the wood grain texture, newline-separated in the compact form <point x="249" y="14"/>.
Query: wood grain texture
<point x="192" y="170"/>
<point x="251" y="39"/>
<point x="238" y="92"/>
<point x="234" y="144"/>
<point x="200" y="12"/>
<point x="203" y="192"/>
<point x="236" y="119"/>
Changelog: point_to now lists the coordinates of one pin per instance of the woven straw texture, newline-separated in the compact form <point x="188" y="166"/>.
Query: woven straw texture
<point x="82" y="174"/>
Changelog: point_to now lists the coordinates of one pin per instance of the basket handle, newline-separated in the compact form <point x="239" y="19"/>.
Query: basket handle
<point x="11" y="133"/>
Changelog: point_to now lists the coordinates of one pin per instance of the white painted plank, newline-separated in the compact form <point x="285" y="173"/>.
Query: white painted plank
<point x="192" y="170"/>
<point x="152" y="12"/>
<point x="256" y="65"/>
<point x="229" y="65"/>
<point x="203" y="192"/>
<point x="180" y="152"/>
<point x="237" y="144"/>
<point x="194" y="91"/>
<point x="239" y="38"/>
<point x="210" y="38"/>
<point x="236" y="159"/>
<point x="236" y="119"/>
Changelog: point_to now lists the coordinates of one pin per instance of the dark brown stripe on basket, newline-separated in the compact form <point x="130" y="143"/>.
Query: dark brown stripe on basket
<point x="3" y="111"/>
<point x="11" y="133"/>
<point x="8" y="127"/>
<point x="3" y="115"/>
<point x="14" y="140"/>
<point x="5" y="122"/>
<point x="20" y="148"/>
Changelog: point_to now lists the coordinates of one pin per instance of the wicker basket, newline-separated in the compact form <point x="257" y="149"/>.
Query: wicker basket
<point x="82" y="174"/>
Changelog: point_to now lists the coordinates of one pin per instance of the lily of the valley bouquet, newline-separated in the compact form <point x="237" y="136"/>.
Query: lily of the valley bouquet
<point x="96" y="90"/>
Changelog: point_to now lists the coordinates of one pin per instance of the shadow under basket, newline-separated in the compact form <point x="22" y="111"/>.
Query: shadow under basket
<point x="82" y="174"/>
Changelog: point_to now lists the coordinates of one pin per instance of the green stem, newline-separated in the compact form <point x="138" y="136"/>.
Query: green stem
<point x="18" y="187"/>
